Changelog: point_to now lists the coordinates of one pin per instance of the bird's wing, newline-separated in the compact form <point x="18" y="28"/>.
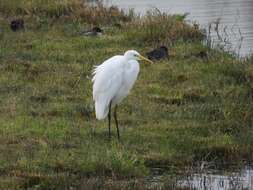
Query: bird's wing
<point x="107" y="81"/>
<point x="130" y="75"/>
<point x="107" y="78"/>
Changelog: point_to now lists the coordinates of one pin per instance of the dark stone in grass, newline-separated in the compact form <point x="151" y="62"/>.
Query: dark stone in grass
<point x="95" y="31"/>
<point x="203" y="55"/>
<point x="17" y="25"/>
<point x="158" y="54"/>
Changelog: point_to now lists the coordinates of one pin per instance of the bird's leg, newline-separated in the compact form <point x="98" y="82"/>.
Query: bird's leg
<point x="116" y="121"/>
<point x="109" y="119"/>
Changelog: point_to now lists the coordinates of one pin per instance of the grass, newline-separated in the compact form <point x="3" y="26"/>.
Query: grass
<point x="180" y="112"/>
<point x="172" y="29"/>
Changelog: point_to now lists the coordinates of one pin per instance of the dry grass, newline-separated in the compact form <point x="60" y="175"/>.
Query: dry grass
<point x="74" y="10"/>
<point x="158" y="28"/>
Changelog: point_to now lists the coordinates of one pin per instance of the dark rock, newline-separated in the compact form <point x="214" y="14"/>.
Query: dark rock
<point x="159" y="53"/>
<point x="202" y="55"/>
<point x="17" y="25"/>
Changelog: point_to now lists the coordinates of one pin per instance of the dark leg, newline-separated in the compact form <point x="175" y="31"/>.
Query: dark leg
<point x="116" y="121"/>
<point x="109" y="120"/>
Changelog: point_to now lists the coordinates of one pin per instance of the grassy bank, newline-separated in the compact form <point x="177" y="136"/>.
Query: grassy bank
<point x="181" y="111"/>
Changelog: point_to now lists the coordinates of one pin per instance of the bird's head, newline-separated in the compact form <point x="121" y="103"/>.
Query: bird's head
<point x="134" y="55"/>
<point x="97" y="29"/>
<point x="164" y="48"/>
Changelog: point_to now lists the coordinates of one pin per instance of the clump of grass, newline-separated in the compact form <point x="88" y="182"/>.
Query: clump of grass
<point x="80" y="10"/>
<point x="160" y="28"/>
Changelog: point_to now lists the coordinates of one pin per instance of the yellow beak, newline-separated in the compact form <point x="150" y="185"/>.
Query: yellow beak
<point x="144" y="59"/>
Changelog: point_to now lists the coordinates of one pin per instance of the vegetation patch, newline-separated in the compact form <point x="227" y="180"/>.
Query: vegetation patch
<point x="182" y="111"/>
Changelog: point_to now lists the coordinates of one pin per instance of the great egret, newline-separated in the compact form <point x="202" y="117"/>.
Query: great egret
<point x="112" y="81"/>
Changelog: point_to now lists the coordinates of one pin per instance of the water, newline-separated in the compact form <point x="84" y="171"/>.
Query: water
<point x="234" y="181"/>
<point x="235" y="18"/>
<point x="206" y="180"/>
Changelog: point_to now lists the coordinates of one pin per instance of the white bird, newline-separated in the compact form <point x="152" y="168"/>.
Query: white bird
<point x="112" y="81"/>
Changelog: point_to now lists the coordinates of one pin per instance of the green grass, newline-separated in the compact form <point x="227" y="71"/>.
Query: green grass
<point x="180" y="111"/>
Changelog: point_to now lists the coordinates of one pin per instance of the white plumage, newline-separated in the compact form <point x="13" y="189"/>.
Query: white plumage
<point x="112" y="81"/>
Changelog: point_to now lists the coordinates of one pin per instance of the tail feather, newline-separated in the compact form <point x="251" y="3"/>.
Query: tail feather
<point x="102" y="109"/>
